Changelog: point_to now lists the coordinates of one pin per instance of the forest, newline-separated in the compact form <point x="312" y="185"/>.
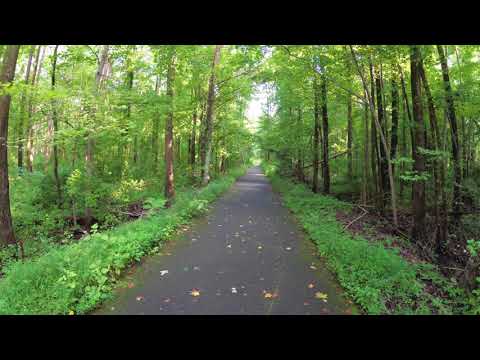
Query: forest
<point x="107" y="150"/>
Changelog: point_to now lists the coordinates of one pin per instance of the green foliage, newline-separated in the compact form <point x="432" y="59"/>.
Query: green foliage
<point x="77" y="277"/>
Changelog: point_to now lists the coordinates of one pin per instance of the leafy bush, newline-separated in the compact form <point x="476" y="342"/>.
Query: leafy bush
<point x="75" y="278"/>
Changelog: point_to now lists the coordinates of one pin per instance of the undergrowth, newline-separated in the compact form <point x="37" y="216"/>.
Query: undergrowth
<point x="75" y="278"/>
<point x="378" y="279"/>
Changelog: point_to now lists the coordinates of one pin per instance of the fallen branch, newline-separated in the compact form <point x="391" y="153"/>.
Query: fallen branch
<point x="330" y="158"/>
<point x="365" y="212"/>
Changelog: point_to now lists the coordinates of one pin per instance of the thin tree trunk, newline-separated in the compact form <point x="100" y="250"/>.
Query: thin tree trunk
<point x="394" y="135"/>
<point x="441" y="216"/>
<point x="382" y="151"/>
<point x="28" y="132"/>
<point x="382" y="137"/>
<point x="365" y="158"/>
<point x="349" y="137"/>
<point x="169" y="176"/>
<point x="325" y="164"/>
<point x="155" y="131"/>
<point x="374" y="157"/>
<point x="404" y="145"/>
<point x="457" y="206"/>
<point x="7" y="74"/>
<point x="130" y="76"/>
<point x="210" y="115"/>
<point x="316" y="136"/>
<point x="23" y="104"/>
<point x="202" y="144"/>
<point x="418" y="201"/>
<point x="55" y="130"/>
<point x="193" y="140"/>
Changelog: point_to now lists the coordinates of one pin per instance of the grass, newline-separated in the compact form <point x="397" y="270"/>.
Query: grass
<point x="378" y="279"/>
<point x="74" y="279"/>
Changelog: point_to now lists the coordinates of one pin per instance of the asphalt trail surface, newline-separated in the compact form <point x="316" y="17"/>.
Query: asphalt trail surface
<point x="248" y="256"/>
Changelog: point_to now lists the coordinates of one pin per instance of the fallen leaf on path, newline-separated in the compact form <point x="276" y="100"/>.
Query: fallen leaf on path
<point x="321" y="296"/>
<point x="163" y="272"/>
<point x="195" y="292"/>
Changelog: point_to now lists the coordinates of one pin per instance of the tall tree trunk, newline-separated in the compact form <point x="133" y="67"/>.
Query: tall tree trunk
<point x="441" y="216"/>
<point x="28" y="132"/>
<point x="23" y="110"/>
<point x="169" y="179"/>
<point x="373" y="136"/>
<point x="325" y="164"/>
<point x="349" y="137"/>
<point x="7" y="74"/>
<point x="394" y="135"/>
<point x="418" y="201"/>
<point x="55" y="130"/>
<point x="156" y="130"/>
<point x="130" y="76"/>
<point x="382" y="138"/>
<point x="410" y="119"/>
<point x="403" y="145"/>
<point x="457" y="205"/>
<point x="383" y="171"/>
<point x="365" y="157"/>
<point x="192" y="144"/>
<point x="210" y="115"/>
<point x="202" y="144"/>
<point x="300" y="173"/>
<point x="316" y="135"/>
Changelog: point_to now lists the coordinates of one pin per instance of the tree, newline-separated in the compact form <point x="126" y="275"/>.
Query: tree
<point x="450" y="109"/>
<point x="169" y="180"/>
<point x="7" y="74"/>
<point x="316" y="134"/>
<point x="325" y="164"/>
<point x="418" y="200"/>
<point x="207" y="140"/>
<point x="382" y="138"/>
<point x="23" y="110"/>
<point x="55" y="128"/>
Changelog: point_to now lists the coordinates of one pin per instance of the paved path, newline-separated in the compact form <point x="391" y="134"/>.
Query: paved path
<point x="248" y="256"/>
